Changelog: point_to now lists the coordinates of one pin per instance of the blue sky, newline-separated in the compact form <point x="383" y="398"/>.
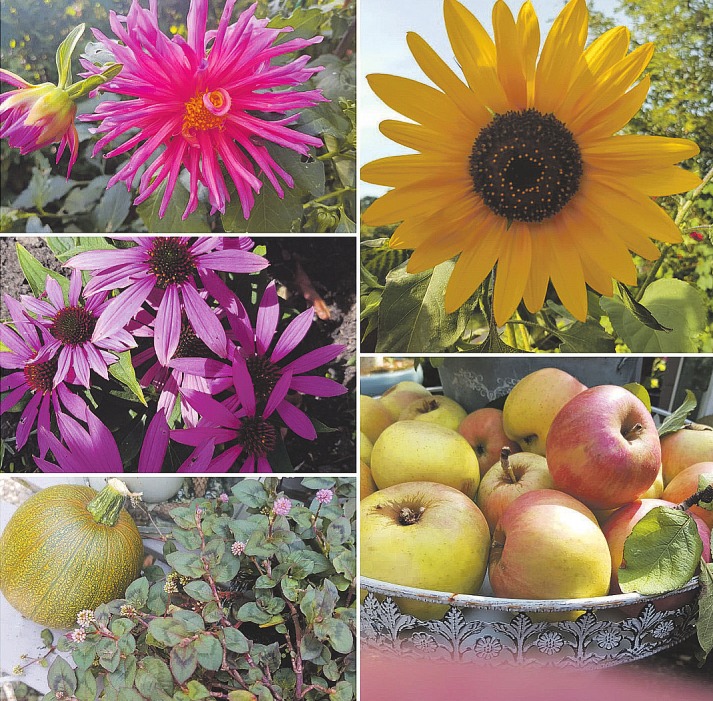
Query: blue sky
<point x="382" y="49"/>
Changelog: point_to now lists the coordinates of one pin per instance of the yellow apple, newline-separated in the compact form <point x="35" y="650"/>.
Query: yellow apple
<point x="365" y="448"/>
<point x="425" y="535"/>
<point x="684" y="448"/>
<point x="373" y="417"/>
<point x="398" y="397"/>
<point x="533" y="404"/>
<point x="367" y="485"/>
<point x="685" y="484"/>
<point x="435" y="409"/>
<point x="412" y="451"/>
<point x="656" y="489"/>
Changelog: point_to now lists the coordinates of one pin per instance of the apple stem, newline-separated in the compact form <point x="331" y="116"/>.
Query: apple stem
<point x="505" y="464"/>
<point x="407" y="516"/>
<point x="634" y="432"/>
<point x="705" y="495"/>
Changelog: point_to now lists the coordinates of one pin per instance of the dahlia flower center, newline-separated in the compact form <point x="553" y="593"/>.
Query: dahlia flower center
<point x="171" y="262"/>
<point x="39" y="376"/>
<point x="526" y="165"/>
<point x="257" y="436"/>
<point x="73" y="326"/>
<point x="206" y="111"/>
<point x="264" y="375"/>
<point x="189" y="345"/>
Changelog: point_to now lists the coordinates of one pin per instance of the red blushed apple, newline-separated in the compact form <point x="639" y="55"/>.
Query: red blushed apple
<point x="684" y="484"/>
<point x="483" y="429"/>
<point x="684" y="448"/>
<point x="603" y="447"/>
<point x="617" y="528"/>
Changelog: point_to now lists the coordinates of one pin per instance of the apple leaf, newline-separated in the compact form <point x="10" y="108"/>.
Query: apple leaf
<point x="705" y="481"/>
<point x="640" y="392"/>
<point x="677" y="420"/>
<point x="661" y="552"/>
<point x="704" y="625"/>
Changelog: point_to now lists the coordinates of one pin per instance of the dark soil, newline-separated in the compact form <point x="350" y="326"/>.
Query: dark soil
<point x="318" y="271"/>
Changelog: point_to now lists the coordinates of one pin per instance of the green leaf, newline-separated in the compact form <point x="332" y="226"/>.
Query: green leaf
<point x="189" y="539"/>
<point x="304" y="23"/>
<point x="308" y="173"/>
<point x="338" y="79"/>
<point x="251" y="493"/>
<point x="168" y="631"/>
<point x="159" y="671"/>
<point x="47" y="637"/>
<point x="640" y="392"/>
<point x="183" y="660"/>
<point x="199" y="590"/>
<point x="269" y="214"/>
<point x="112" y="210"/>
<point x="641" y="313"/>
<point x="339" y="531"/>
<point x="192" y="620"/>
<point x="677" y="420"/>
<point x="80" y="200"/>
<point x="675" y="304"/>
<point x="121" y="626"/>
<point x="138" y="592"/>
<point x="82" y="88"/>
<point x="61" y="677"/>
<point x="172" y="222"/>
<point x="343" y="691"/>
<point x="251" y="612"/>
<point x="345" y="225"/>
<point x="212" y="613"/>
<point x="337" y="632"/>
<point x="661" y="552"/>
<point x="412" y="318"/>
<point x="87" y="687"/>
<point x="158" y="599"/>
<point x="235" y="640"/>
<point x="210" y="652"/>
<point x="704" y="624"/>
<point x="704" y="481"/>
<point x="64" y="55"/>
<point x="36" y="274"/>
<point x="123" y="370"/>
<point x="129" y="695"/>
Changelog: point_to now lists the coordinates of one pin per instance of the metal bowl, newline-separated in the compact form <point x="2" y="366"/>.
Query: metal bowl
<point x="493" y="630"/>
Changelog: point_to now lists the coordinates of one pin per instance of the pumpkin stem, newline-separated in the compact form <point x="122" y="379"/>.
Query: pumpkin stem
<point x="107" y="505"/>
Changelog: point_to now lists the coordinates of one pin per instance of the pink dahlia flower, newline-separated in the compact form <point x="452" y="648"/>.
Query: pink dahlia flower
<point x="69" y="327"/>
<point x="196" y="103"/>
<point x="35" y="116"/>
<point x="94" y="449"/>
<point x="266" y="367"/>
<point x="165" y="268"/>
<point x="36" y="364"/>
<point x="239" y="423"/>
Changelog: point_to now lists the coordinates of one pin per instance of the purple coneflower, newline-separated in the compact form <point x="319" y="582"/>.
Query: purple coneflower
<point x="69" y="327"/>
<point x="267" y="367"/>
<point x="196" y="106"/>
<point x="237" y="421"/>
<point x="164" y="268"/>
<point x="94" y="449"/>
<point x="36" y="364"/>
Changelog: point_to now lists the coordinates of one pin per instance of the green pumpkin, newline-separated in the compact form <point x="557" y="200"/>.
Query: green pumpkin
<point x="68" y="548"/>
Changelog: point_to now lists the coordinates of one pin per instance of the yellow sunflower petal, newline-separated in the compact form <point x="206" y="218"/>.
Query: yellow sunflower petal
<point x="439" y="248"/>
<point x="513" y="269"/>
<point x="615" y="116"/>
<point x="475" y="262"/>
<point x="439" y="72"/>
<point x="414" y="100"/>
<point x="664" y="181"/>
<point x="566" y="271"/>
<point x="560" y="52"/>
<point x="631" y="151"/>
<point x="596" y="277"/>
<point x="539" y="278"/>
<point x="475" y="53"/>
<point x="612" y="85"/>
<point x="395" y="171"/>
<point x="528" y="32"/>
<point x="510" y="70"/>
<point x="423" y="139"/>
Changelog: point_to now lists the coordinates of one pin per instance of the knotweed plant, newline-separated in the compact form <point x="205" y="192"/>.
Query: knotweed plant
<point x="517" y="167"/>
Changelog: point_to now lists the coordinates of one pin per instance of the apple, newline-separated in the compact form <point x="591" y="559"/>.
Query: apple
<point x="603" y="447"/>
<point x="534" y="402"/>
<point x="367" y="485"/>
<point x="685" y="483"/>
<point x="365" y="448"/>
<point x="425" y="535"/>
<point x="398" y="397"/>
<point x="483" y="429"/>
<point x="373" y="417"/>
<point x="435" y="409"/>
<point x="547" y="545"/>
<point x="414" y="451"/>
<point x="511" y="477"/>
<point x="656" y="489"/>
<point x="686" y="447"/>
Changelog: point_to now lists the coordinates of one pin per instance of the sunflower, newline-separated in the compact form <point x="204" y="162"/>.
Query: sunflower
<point x="518" y="166"/>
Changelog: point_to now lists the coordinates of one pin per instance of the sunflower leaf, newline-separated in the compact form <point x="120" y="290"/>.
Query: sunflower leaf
<point x="677" y="420"/>
<point x="638" y="309"/>
<point x="672" y="302"/>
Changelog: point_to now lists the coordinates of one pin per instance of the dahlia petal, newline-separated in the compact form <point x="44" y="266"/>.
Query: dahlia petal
<point x="197" y="18"/>
<point x="244" y="384"/>
<point x="292" y="336"/>
<point x="268" y="314"/>
<point x="27" y="419"/>
<point x="167" y="328"/>
<point x="153" y="451"/>
<point x="296" y="420"/>
<point x="204" y="321"/>
<point x="122" y="308"/>
<point x="317" y="386"/>
<point x="210" y="409"/>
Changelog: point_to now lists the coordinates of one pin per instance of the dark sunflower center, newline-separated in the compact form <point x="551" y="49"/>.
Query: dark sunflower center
<point x="257" y="436"/>
<point x="526" y="165"/>
<point x="39" y="376"/>
<point x="171" y="261"/>
<point x="189" y="345"/>
<point x="73" y="326"/>
<point x="264" y="375"/>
